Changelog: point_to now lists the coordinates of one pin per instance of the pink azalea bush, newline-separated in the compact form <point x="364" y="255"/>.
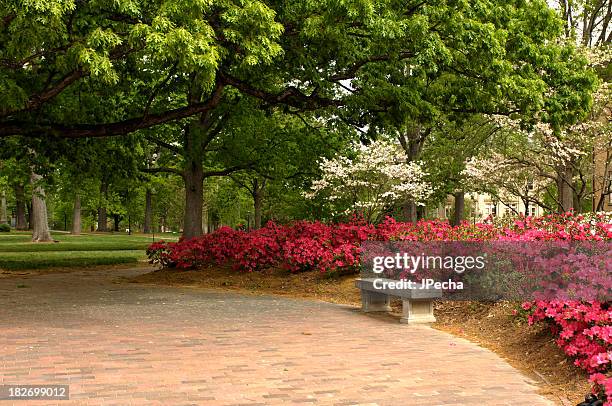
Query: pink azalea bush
<point x="582" y="330"/>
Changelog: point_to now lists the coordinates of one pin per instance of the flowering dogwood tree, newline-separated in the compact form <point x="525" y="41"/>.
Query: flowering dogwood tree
<point x="555" y="161"/>
<point x="505" y="179"/>
<point x="376" y="177"/>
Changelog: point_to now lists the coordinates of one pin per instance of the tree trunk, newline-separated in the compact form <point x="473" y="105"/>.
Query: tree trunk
<point x="40" y="223"/>
<point x="102" y="219"/>
<point x="205" y="219"/>
<point x="76" y="215"/>
<point x="412" y="141"/>
<point x="257" y="200"/>
<point x="117" y="220"/>
<point x="410" y="211"/>
<point x="3" y="216"/>
<point x="194" y="199"/>
<point x="459" y="208"/>
<point x="102" y="214"/>
<point x="257" y="194"/>
<point x="566" y="193"/>
<point x="148" y="218"/>
<point x="193" y="174"/>
<point x="29" y="207"/>
<point x="577" y="204"/>
<point x="20" y="221"/>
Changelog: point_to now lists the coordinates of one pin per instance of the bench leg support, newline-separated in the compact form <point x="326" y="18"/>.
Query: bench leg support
<point x="375" y="302"/>
<point x="417" y="312"/>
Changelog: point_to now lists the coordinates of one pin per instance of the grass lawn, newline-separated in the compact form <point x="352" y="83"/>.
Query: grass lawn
<point x="18" y="253"/>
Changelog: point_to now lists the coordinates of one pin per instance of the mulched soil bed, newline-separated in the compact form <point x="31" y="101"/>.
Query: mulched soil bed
<point x="530" y="349"/>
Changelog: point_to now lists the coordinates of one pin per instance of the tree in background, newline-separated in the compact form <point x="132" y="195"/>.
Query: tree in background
<point x="3" y="201"/>
<point x="505" y="180"/>
<point x="587" y="21"/>
<point x="445" y="152"/>
<point x="372" y="180"/>
<point x="547" y="166"/>
<point x="284" y="149"/>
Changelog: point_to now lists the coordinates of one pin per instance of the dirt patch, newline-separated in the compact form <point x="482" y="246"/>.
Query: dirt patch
<point x="310" y="285"/>
<point x="530" y="349"/>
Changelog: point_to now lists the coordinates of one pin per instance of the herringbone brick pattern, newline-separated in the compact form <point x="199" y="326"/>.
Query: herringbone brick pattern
<point x="126" y="344"/>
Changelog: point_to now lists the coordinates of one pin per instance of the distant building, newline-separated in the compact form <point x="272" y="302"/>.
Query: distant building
<point x="602" y="180"/>
<point x="479" y="206"/>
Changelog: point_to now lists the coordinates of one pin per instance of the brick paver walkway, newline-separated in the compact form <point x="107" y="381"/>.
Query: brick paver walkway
<point x="126" y="344"/>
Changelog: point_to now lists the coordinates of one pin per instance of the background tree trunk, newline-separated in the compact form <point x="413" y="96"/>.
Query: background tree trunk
<point x="410" y="211"/>
<point x="40" y="223"/>
<point x="566" y="193"/>
<point x="459" y="208"/>
<point x="194" y="199"/>
<point x="102" y="213"/>
<point x="257" y="194"/>
<point x="102" y="219"/>
<point x="20" y="202"/>
<point x="257" y="200"/>
<point x="30" y="221"/>
<point x="577" y="204"/>
<point x="412" y="141"/>
<point x="117" y="220"/>
<point x="205" y="220"/>
<point x="76" y="215"/>
<point x="148" y="218"/>
<point x="3" y="217"/>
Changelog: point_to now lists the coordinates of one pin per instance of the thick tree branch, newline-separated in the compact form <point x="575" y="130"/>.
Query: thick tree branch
<point x="163" y="170"/>
<point x="291" y="96"/>
<point x="164" y="144"/>
<point x="350" y="72"/>
<point x="242" y="184"/>
<point x="38" y="100"/>
<point x="15" y="127"/>
<point x="157" y="88"/>
<point x="211" y="133"/>
<point x="227" y="171"/>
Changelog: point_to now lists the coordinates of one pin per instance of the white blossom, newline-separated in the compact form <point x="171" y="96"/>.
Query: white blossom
<point x="377" y="176"/>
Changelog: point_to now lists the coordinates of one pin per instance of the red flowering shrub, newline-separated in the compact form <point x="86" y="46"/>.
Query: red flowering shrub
<point x="301" y="246"/>
<point x="159" y="253"/>
<point x="257" y="249"/>
<point x="304" y="245"/>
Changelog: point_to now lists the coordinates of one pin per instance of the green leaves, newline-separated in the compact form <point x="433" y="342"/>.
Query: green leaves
<point x="54" y="8"/>
<point x="253" y="29"/>
<point x="103" y="38"/>
<point x="387" y="63"/>
<point x="11" y="94"/>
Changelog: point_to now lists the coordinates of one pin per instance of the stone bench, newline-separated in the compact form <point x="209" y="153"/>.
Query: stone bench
<point x="417" y="304"/>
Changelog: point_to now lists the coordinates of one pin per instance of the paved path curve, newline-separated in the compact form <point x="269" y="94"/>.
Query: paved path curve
<point x="127" y="344"/>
